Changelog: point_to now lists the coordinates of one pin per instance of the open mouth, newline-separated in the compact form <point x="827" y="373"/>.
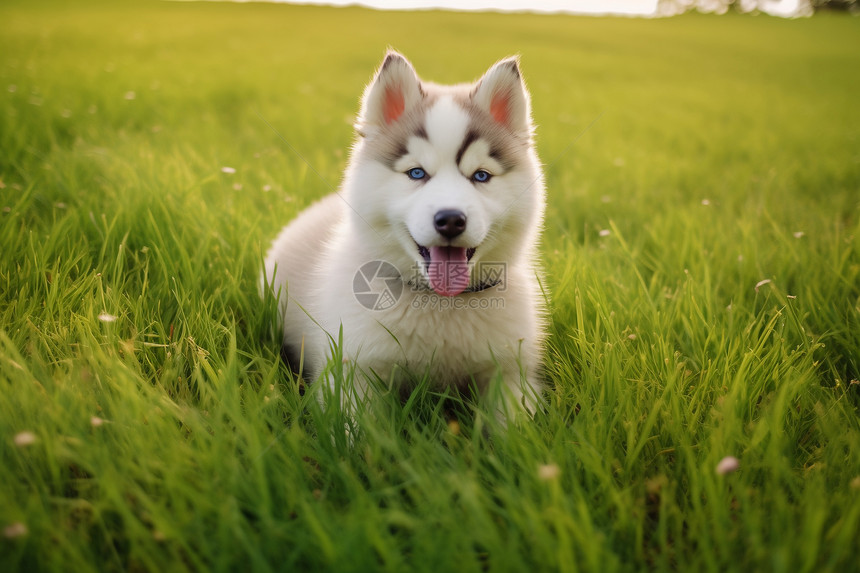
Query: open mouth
<point x="425" y="252"/>
<point x="447" y="268"/>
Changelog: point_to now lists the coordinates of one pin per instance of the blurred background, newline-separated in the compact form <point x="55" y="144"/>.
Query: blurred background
<point x="784" y="8"/>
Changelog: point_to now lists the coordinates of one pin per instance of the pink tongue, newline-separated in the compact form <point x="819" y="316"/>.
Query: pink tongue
<point x="448" y="270"/>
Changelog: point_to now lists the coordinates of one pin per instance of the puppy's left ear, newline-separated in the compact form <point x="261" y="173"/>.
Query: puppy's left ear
<point x="502" y="94"/>
<point x="394" y="90"/>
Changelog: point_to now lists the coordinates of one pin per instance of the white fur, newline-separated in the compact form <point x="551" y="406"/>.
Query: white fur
<point x="380" y="214"/>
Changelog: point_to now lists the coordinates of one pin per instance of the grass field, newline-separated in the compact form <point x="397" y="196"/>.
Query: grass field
<point x="146" y="422"/>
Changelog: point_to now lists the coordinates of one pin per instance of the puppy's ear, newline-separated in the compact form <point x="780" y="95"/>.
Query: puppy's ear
<point x="394" y="90"/>
<point x="502" y="94"/>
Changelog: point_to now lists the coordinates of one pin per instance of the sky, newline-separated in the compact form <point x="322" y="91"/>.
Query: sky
<point x="632" y="7"/>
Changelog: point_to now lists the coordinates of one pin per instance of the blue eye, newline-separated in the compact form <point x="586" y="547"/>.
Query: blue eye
<point x="416" y="174"/>
<point x="481" y="176"/>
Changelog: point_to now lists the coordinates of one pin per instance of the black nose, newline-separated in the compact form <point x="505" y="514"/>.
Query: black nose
<point x="450" y="223"/>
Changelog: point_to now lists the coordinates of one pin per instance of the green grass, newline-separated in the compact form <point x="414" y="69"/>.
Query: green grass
<point x="720" y="139"/>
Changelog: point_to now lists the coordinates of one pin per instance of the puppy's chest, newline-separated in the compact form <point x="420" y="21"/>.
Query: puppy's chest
<point x="461" y="337"/>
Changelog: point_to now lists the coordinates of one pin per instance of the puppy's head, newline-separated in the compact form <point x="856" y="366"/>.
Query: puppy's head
<point x="446" y="176"/>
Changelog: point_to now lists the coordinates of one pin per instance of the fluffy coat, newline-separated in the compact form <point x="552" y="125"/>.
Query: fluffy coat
<point x="425" y="152"/>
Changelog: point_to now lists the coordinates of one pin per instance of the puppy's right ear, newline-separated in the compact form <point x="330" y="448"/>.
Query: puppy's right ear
<point x="394" y="90"/>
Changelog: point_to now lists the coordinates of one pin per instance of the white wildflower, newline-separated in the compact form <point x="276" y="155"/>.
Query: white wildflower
<point x="728" y="465"/>
<point x="548" y="472"/>
<point x="14" y="530"/>
<point x="24" y="439"/>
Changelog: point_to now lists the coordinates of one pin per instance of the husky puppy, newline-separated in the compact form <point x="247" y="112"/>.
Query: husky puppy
<point x="427" y="255"/>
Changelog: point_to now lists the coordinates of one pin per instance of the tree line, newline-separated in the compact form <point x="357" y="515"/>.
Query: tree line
<point x="804" y="7"/>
